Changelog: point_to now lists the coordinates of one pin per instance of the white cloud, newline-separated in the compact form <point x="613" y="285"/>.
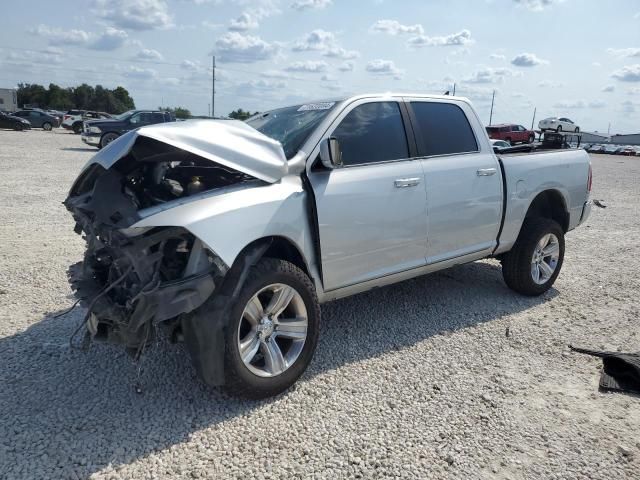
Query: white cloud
<point x="383" y="67"/>
<point x="634" y="91"/>
<point x="629" y="73"/>
<point x="393" y="27"/>
<point x="596" y="64"/>
<point x="191" y="66"/>
<point x="462" y="37"/>
<point x="577" y="104"/>
<point x="325" y="42"/>
<point x="308" y="66"/>
<point x="140" y="73"/>
<point x="609" y="88"/>
<point x="134" y="14"/>
<point x="275" y="74"/>
<point x="149" y="54"/>
<point x="244" y="22"/>
<point x="211" y="25"/>
<point x="110" y="39"/>
<point x="57" y="36"/>
<point x="624" y="52"/>
<point x="477" y="94"/>
<point x="316" y="40"/>
<point x="346" y="67"/>
<point x="262" y="84"/>
<point x="527" y="60"/>
<point x="50" y="56"/>
<point x="629" y="107"/>
<point x="550" y="84"/>
<point x="490" y="75"/>
<point x="235" y="47"/>
<point x="497" y="56"/>
<point x="301" y="5"/>
<point x="339" y="52"/>
<point x="536" y="5"/>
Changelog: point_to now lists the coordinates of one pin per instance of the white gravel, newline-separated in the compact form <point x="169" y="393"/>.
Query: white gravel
<point x="417" y="380"/>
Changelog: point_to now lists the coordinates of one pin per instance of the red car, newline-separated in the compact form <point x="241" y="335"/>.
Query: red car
<point x="512" y="133"/>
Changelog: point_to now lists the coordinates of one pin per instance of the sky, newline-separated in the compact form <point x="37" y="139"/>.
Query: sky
<point x="573" y="58"/>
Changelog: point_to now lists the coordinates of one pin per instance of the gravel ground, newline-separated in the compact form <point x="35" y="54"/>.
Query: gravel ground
<point x="416" y="380"/>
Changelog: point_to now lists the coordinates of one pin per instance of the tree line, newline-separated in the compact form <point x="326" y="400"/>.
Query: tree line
<point x="83" y="97"/>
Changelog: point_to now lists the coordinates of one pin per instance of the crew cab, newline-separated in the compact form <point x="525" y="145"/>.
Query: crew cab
<point x="511" y="133"/>
<point x="99" y="133"/>
<point x="231" y="234"/>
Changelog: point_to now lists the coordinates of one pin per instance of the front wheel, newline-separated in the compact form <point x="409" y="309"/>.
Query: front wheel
<point x="577" y="130"/>
<point x="534" y="263"/>
<point x="18" y="127"/>
<point x="107" y="138"/>
<point x="77" y="128"/>
<point x="47" y="126"/>
<point x="532" y="138"/>
<point x="559" y="129"/>
<point x="272" y="331"/>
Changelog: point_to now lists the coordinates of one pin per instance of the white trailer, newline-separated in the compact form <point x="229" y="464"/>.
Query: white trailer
<point x="8" y="99"/>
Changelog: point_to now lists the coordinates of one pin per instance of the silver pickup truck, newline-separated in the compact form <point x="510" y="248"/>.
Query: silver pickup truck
<point x="231" y="234"/>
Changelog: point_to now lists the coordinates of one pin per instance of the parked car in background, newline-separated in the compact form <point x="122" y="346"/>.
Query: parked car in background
<point x="14" y="123"/>
<point x="99" y="133"/>
<point x="511" y="133"/>
<point x="500" y="146"/>
<point x="232" y="233"/>
<point x="628" y="151"/>
<point x="596" y="149"/>
<point x="38" y="119"/>
<point x="56" y="113"/>
<point x="561" y="124"/>
<point x="73" y="119"/>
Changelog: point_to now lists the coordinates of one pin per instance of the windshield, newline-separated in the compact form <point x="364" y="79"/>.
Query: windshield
<point x="291" y="126"/>
<point x="124" y="115"/>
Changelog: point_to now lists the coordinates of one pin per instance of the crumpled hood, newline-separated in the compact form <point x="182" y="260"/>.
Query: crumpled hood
<point x="231" y="143"/>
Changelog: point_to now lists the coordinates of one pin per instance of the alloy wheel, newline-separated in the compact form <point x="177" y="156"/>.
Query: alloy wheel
<point x="545" y="258"/>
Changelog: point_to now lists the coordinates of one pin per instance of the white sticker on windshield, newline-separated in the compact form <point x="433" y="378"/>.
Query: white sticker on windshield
<point x="316" y="106"/>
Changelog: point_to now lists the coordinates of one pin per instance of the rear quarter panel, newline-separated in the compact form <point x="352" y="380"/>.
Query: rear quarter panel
<point x="528" y="175"/>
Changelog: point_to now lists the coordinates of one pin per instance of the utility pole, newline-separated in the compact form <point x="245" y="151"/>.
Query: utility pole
<point x="534" y="117"/>
<point x="491" y="114"/>
<point x="454" y="89"/>
<point x="213" y="87"/>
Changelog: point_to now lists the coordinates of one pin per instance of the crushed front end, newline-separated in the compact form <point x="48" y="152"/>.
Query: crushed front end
<point x="133" y="278"/>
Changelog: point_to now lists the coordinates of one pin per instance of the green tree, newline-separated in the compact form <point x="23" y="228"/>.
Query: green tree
<point x="240" y="114"/>
<point x="59" y="98"/>
<point x="178" y="112"/>
<point x="122" y="96"/>
<point x="31" y="94"/>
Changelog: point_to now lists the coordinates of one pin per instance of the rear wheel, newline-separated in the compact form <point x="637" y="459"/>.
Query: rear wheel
<point x="272" y="331"/>
<point x="107" y="138"/>
<point x="77" y="127"/>
<point x="534" y="263"/>
<point x="47" y="126"/>
<point x="577" y="130"/>
<point x="18" y="127"/>
<point x="559" y="129"/>
<point x="532" y="138"/>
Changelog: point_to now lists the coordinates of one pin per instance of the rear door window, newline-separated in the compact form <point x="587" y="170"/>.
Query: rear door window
<point x="443" y="129"/>
<point x="372" y="132"/>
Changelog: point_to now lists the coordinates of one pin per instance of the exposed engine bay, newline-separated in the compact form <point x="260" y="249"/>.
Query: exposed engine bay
<point x="131" y="279"/>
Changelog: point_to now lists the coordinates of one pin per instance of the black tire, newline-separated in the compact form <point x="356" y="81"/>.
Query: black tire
<point x="577" y="130"/>
<point x="559" y="129"/>
<point x="107" y="138"/>
<point x="517" y="263"/>
<point x="18" y="127"/>
<point x="532" y="138"/>
<point x="47" y="126"/>
<point x="77" y="128"/>
<point x="239" y="380"/>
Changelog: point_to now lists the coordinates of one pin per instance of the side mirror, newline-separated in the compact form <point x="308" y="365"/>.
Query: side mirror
<point x="330" y="154"/>
<point x="496" y="149"/>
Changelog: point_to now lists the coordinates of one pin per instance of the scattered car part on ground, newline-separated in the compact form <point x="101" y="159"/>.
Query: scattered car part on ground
<point x="99" y="133"/>
<point x="233" y="232"/>
<point x="620" y="372"/>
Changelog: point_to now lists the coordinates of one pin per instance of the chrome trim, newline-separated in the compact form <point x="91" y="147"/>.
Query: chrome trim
<point x="486" y="172"/>
<point x="406" y="182"/>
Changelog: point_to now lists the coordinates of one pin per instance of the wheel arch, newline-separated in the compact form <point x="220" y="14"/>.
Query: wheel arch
<point x="279" y="247"/>
<point x="550" y="204"/>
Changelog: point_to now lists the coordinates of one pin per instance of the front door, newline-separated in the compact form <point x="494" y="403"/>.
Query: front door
<point x="371" y="212"/>
<point x="462" y="178"/>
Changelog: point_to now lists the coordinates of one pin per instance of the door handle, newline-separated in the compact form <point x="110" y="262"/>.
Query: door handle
<point x="406" y="182"/>
<point x="485" y="172"/>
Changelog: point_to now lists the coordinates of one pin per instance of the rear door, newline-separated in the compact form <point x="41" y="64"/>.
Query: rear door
<point x="371" y="212"/>
<point x="462" y="178"/>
